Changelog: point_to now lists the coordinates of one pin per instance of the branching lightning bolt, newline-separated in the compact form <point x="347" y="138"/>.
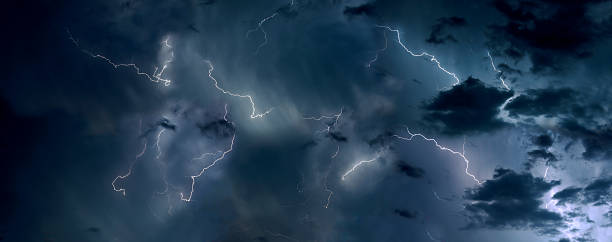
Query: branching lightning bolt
<point x="431" y="57"/>
<point x="443" y="148"/>
<point x="211" y="68"/>
<point x="378" y="51"/>
<point x="155" y="77"/>
<point x="122" y="190"/>
<point x="499" y="73"/>
<point x="261" y="29"/>
<point x="336" y="117"/>
<point x="193" y="178"/>
<point x="331" y="193"/>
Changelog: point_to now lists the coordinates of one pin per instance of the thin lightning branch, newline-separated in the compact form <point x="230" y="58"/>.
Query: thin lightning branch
<point x="159" y="152"/>
<point x="261" y="29"/>
<point x="431" y="237"/>
<point x="499" y="73"/>
<point x="122" y="190"/>
<point x="204" y="155"/>
<point x="546" y="171"/>
<point x="432" y="57"/>
<point x="249" y="97"/>
<point x="331" y="193"/>
<point x="437" y="196"/>
<point x="193" y="178"/>
<point x="337" y="151"/>
<point x="225" y="115"/>
<point x="443" y="148"/>
<point x="281" y="235"/>
<point x="378" y="51"/>
<point x="155" y="77"/>
<point x="336" y="117"/>
<point x="358" y="164"/>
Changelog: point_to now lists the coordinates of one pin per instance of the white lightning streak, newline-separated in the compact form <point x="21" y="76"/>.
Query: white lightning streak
<point x="281" y="235"/>
<point x="358" y="164"/>
<point x="260" y="27"/>
<point x="211" y="68"/>
<point x="378" y="51"/>
<point x="336" y="117"/>
<point x="159" y="152"/>
<point x="432" y="57"/>
<point x="122" y="190"/>
<point x="193" y="178"/>
<point x="443" y="148"/>
<point x="437" y="196"/>
<point x="155" y="77"/>
<point x="546" y="171"/>
<point x="337" y="151"/>
<point x="498" y="71"/>
<point x="431" y="237"/>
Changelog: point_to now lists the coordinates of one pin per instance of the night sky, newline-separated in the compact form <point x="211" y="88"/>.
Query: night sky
<point x="306" y="120"/>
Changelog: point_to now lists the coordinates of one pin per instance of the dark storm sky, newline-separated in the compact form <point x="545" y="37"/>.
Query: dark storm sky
<point x="539" y="151"/>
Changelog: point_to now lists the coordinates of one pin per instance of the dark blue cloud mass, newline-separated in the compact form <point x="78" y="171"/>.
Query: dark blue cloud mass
<point x="306" y="120"/>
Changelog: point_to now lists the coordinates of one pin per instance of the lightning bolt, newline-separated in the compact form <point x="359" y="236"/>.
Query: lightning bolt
<point x="336" y="117"/>
<point x="281" y="235"/>
<point x="159" y="152"/>
<point x="378" y="51"/>
<point x="546" y="171"/>
<point x="431" y="57"/>
<point x="443" y="148"/>
<point x="431" y="237"/>
<point x="437" y="196"/>
<point x="499" y="73"/>
<point x="358" y="164"/>
<point x="211" y="68"/>
<point x="194" y="177"/>
<point x="261" y="29"/>
<point x="155" y="77"/>
<point x="122" y="190"/>
<point x="330" y="193"/>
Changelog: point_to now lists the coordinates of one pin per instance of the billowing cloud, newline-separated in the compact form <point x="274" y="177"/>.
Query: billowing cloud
<point x="470" y="107"/>
<point x="512" y="200"/>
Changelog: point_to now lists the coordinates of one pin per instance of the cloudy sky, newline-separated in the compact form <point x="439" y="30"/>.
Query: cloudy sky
<point x="306" y="120"/>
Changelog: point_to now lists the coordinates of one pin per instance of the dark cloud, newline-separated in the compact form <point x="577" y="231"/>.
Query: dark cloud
<point x="598" y="191"/>
<point x="405" y="213"/>
<point x="337" y="136"/>
<point x="543" y="140"/>
<point x="366" y="9"/>
<point x="382" y="140"/>
<point x="470" y="107"/>
<point x="438" y="33"/>
<point x="568" y="195"/>
<point x="542" y="102"/>
<point x="537" y="155"/>
<point x="166" y="124"/>
<point x="93" y="229"/>
<point x="549" y="32"/>
<point x="512" y="200"/>
<point x="409" y="170"/>
<point x="596" y="141"/>
<point x="217" y="128"/>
